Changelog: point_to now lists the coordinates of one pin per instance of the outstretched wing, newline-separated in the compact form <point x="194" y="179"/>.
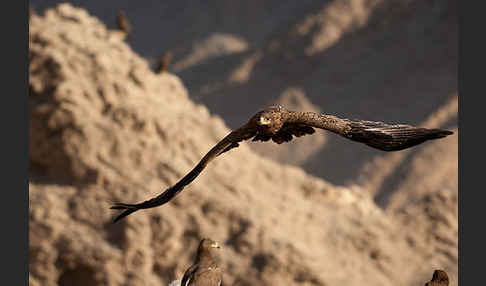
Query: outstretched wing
<point x="379" y="135"/>
<point x="387" y="137"/>
<point x="227" y="143"/>
<point x="189" y="275"/>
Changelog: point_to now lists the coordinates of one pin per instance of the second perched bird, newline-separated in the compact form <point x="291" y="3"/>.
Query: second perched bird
<point x="123" y="23"/>
<point x="281" y="125"/>
<point x="204" y="271"/>
<point x="164" y="62"/>
<point x="439" y="278"/>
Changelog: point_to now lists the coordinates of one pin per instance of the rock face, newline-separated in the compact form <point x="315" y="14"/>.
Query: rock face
<point x="216" y="45"/>
<point x="105" y="128"/>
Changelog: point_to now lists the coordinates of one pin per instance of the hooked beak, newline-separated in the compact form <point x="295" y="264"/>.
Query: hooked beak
<point x="263" y="121"/>
<point x="215" y="245"/>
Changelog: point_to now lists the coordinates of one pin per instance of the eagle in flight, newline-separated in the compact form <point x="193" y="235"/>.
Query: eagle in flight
<point x="281" y="125"/>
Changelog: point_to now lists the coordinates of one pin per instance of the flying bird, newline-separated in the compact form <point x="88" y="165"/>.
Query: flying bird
<point x="204" y="271"/>
<point x="281" y="125"/>
<point x="439" y="278"/>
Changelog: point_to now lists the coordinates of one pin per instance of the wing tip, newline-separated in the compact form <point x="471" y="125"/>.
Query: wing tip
<point x="128" y="209"/>
<point x="440" y="133"/>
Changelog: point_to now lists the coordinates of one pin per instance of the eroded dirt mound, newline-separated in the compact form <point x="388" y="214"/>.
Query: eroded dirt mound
<point x="104" y="128"/>
<point x="430" y="227"/>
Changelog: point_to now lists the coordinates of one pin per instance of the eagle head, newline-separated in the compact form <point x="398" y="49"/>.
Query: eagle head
<point x="264" y="120"/>
<point x="270" y="119"/>
<point x="208" y="243"/>
<point x="207" y="250"/>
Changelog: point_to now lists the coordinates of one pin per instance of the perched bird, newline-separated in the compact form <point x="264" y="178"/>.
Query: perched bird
<point x="164" y="62"/>
<point x="175" y="283"/>
<point x="204" y="271"/>
<point x="281" y="125"/>
<point x="122" y="22"/>
<point x="31" y="12"/>
<point x="439" y="278"/>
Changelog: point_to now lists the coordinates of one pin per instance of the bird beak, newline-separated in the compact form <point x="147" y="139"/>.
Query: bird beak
<point x="215" y="245"/>
<point x="263" y="121"/>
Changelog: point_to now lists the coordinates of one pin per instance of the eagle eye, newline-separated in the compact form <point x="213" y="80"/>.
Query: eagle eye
<point x="264" y="120"/>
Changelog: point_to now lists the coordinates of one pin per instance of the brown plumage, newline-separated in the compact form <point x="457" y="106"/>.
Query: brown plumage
<point x="123" y="23"/>
<point x="439" y="278"/>
<point x="281" y="125"/>
<point x="205" y="271"/>
<point x="164" y="62"/>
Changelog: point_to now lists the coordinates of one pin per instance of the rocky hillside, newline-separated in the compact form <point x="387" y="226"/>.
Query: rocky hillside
<point x="105" y="128"/>
<point x="387" y="60"/>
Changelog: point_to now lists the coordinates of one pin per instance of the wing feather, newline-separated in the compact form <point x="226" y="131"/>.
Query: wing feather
<point x="227" y="143"/>
<point x="388" y="137"/>
<point x="288" y="130"/>
<point x="189" y="275"/>
<point x="379" y="135"/>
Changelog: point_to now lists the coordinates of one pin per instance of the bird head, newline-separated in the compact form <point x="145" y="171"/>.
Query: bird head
<point x="215" y="245"/>
<point x="264" y="120"/>
<point x="269" y="120"/>
<point x="208" y="243"/>
<point x="207" y="250"/>
<point x="269" y="116"/>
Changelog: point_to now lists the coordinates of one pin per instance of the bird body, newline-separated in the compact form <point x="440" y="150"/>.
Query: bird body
<point x="164" y="62"/>
<point x="123" y="23"/>
<point x="281" y="125"/>
<point x="204" y="271"/>
<point x="439" y="278"/>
